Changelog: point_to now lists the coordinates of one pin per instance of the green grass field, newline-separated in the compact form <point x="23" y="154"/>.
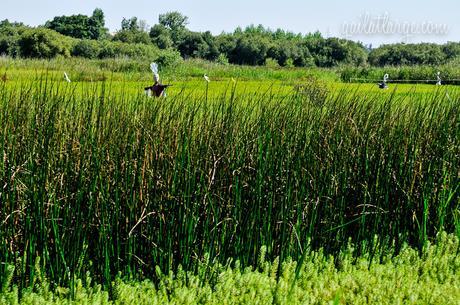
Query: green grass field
<point x="100" y="181"/>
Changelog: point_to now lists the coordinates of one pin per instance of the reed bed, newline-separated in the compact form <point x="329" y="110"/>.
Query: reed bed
<point x="95" y="180"/>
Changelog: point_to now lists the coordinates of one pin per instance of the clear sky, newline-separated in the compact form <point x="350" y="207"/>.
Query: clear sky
<point x="331" y="17"/>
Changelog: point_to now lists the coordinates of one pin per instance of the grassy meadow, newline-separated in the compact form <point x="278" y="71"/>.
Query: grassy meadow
<point x="284" y="184"/>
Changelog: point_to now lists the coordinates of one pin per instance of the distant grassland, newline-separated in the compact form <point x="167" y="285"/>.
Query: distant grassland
<point x="97" y="178"/>
<point x="133" y="75"/>
<point x="130" y="69"/>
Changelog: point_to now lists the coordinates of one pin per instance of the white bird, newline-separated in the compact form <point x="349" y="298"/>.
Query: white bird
<point x="438" y="76"/>
<point x="206" y="78"/>
<point x="156" y="75"/>
<point x="66" y="77"/>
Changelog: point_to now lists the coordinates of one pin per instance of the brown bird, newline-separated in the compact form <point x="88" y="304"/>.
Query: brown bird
<point x="4" y="78"/>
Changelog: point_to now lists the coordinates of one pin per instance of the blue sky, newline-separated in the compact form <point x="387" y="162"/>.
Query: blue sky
<point x="330" y="17"/>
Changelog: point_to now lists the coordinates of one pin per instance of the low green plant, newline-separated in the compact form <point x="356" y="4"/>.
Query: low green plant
<point x="410" y="277"/>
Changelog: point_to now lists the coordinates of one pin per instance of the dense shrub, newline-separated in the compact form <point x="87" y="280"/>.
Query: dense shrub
<point x="250" y="50"/>
<point x="168" y="58"/>
<point x="161" y="36"/>
<point x="129" y="36"/>
<point x="271" y="63"/>
<point x="451" y="50"/>
<point x="222" y="59"/>
<point x="117" y="49"/>
<point x="408" y="54"/>
<point x="332" y="52"/>
<point x="9" y="37"/>
<point x="80" y="26"/>
<point x="43" y="43"/>
<point x="87" y="49"/>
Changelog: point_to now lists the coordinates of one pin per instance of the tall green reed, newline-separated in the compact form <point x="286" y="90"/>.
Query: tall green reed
<point x="95" y="180"/>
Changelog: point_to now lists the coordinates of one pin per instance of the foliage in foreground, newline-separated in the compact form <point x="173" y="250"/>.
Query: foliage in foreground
<point x="408" y="278"/>
<point x="96" y="179"/>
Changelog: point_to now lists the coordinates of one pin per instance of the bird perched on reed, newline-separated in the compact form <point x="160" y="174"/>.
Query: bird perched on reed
<point x="157" y="89"/>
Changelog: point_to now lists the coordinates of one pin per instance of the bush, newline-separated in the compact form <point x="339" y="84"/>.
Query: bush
<point x="222" y="59"/>
<point x="168" y="58"/>
<point x="120" y="49"/>
<point x="289" y="63"/>
<point x="115" y="49"/>
<point x="408" y="54"/>
<point x="43" y="43"/>
<point x="87" y="49"/>
<point x="128" y="36"/>
<point x="9" y="37"/>
<point x="271" y="63"/>
<point x="250" y="51"/>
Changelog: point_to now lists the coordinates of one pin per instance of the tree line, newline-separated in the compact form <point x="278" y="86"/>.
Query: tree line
<point x="170" y="39"/>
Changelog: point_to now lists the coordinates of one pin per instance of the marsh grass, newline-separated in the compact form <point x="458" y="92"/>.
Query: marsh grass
<point x="95" y="179"/>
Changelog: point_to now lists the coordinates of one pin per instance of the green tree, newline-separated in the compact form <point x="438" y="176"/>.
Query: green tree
<point x="192" y="45"/>
<point x="76" y="26"/>
<point x="86" y="48"/>
<point x="80" y="26"/>
<point x="408" y="54"/>
<point x="212" y="50"/>
<point x="132" y="37"/>
<point x="132" y="31"/>
<point x="10" y="33"/>
<point x="130" y="24"/>
<point x="43" y="43"/>
<point x="7" y="23"/>
<point x="97" y="25"/>
<point x="250" y="50"/>
<point x="173" y="21"/>
<point x="451" y="50"/>
<point x="161" y="36"/>
<point x="176" y="23"/>
<point x="226" y="43"/>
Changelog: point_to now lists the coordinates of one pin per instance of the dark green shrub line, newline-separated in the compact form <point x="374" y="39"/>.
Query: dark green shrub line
<point x="86" y="36"/>
<point x="44" y="43"/>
